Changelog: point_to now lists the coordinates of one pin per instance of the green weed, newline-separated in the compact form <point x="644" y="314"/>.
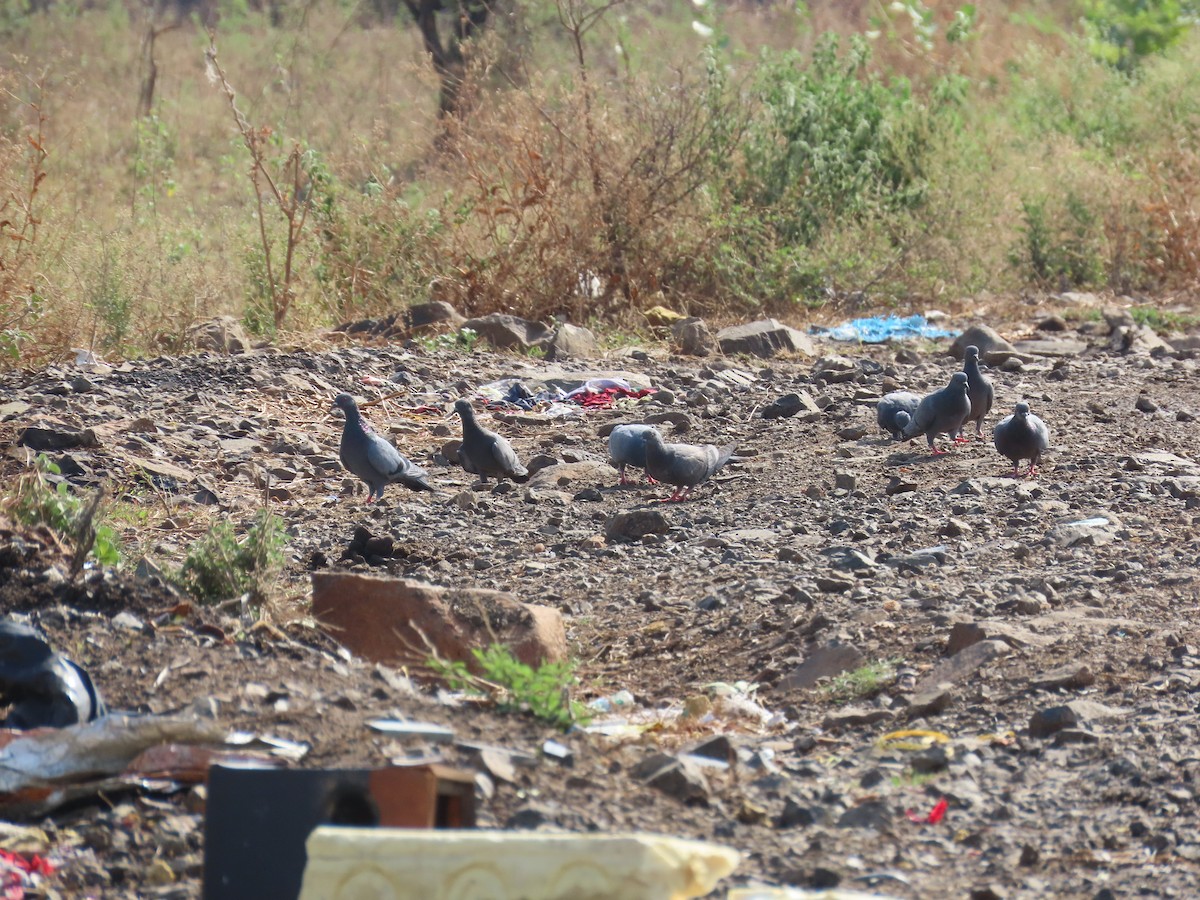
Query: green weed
<point x="219" y="566"/>
<point x="862" y="682"/>
<point x="465" y="340"/>
<point x="1163" y="320"/>
<point x="544" y="692"/>
<point x="911" y="778"/>
<point x="37" y="501"/>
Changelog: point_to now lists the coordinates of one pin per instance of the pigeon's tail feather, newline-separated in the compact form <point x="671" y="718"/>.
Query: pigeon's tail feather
<point x="415" y="482"/>
<point x="725" y="455"/>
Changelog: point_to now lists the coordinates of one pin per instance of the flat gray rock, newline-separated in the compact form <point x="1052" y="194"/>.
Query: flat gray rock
<point x="764" y="339"/>
<point x="1051" y="348"/>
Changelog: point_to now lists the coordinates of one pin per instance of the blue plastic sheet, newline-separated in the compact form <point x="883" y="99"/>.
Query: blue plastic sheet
<point x="877" y="329"/>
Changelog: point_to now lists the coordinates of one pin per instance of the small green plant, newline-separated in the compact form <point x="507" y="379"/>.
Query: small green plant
<point x="536" y="352"/>
<point x="465" y="339"/>
<point x="1162" y="320"/>
<point x="220" y="567"/>
<point x="863" y="681"/>
<point x="37" y="501"/>
<point x="913" y="778"/>
<point x="544" y="691"/>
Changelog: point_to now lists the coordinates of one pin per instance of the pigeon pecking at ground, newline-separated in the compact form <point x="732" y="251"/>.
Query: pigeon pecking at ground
<point x="484" y="452"/>
<point x="979" y="389"/>
<point x="1021" y="435"/>
<point x="684" y="465"/>
<point x="888" y="412"/>
<point x="365" y="454"/>
<point x="942" y="412"/>
<point x="627" y="447"/>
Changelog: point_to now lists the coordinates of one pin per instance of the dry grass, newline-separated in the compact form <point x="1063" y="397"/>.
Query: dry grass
<point x="146" y="225"/>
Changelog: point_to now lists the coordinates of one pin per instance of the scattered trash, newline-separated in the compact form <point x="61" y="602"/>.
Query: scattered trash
<point x="596" y="393"/>
<point x="20" y="873"/>
<point x="877" y="329"/>
<point x="276" y="746"/>
<point x="619" y="700"/>
<point x="527" y="864"/>
<point x="45" y="768"/>
<point x="935" y="815"/>
<point x="1093" y="522"/>
<point x="662" y="317"/>
<point x="738" y="698"/>
<point x="912" y="740"/>
<point x="257" y="820"/>
<point x="559" y="752"/>
<point x="601" y="393"/>
<point x="40" y="687"/>
<point x="439" y="734"/>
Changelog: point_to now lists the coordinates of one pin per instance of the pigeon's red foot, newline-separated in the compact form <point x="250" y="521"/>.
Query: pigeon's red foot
<point x="651" y="479"/>
<point x="962" y="439"/>
<point x="1031" y="471"/>
<point x="370" y="498"/>
<point x="934" y="451"/>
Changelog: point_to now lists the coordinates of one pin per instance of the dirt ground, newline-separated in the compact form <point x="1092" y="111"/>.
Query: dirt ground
<point x="982" y="605"/>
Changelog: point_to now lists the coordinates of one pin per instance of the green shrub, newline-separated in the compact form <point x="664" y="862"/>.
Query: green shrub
<point x="862" y="682"/>
<point x="36" y="501"/>
<point x="1124" y="32"/>
<point x="543" y="692"/>
<point x="832" y="141"/>
<point x="1062" y="248"/>
<point x="220" y="567"/>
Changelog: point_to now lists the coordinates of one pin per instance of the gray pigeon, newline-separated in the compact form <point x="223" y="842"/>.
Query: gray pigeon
<point x="365" y="454"/>
<point x="1021" y="436"/>
<point x="484" y="452"/>
<point x="684" y="465"/>
<point x="979" y="389"/>
<point x="888" y="412"/>
<point x="627" y="447"/>
<point x="942" y="412"/>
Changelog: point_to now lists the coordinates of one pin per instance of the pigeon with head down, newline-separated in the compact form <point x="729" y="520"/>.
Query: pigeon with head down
<point x="686" y="466"/>
<point x="979" y="389"/>
<point x="627" y="447"/>
<point x="942" y="412"/>
<point x="895" y="411"/>
<point x="484" y="452"/>
<point x="367" y="455"/>
<point x="1021" y="435"/>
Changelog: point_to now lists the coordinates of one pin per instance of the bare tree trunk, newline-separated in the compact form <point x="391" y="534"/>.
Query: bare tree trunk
<point x="447" y="56"/>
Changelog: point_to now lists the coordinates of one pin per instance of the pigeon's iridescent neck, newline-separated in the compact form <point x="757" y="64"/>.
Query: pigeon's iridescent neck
<point x="354" y="417"/>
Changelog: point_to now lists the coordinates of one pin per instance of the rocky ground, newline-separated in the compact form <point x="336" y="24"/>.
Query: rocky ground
<point x="1044" y="631"/>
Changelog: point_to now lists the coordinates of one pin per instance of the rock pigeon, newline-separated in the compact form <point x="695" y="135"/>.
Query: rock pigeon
<point x="979" y="389"/>
<point x="365" y="454"/>
<point x="627" y="447"/>
<point x="484" y="452"/>
<point x="684" y="465"/>
<point x="888" y="412"/>
<point x="942" y="412"/>
<point x="1021" y="436"/>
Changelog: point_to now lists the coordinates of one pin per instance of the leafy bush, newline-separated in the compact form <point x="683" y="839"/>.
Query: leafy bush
<point x="1061" y="249"/>
<point x="1124" y="32"/>
<point x="832" y="141"/>
<point x="36" y="501"/>
<point x="219" y="566"/>
<point x="543" y="692"/>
